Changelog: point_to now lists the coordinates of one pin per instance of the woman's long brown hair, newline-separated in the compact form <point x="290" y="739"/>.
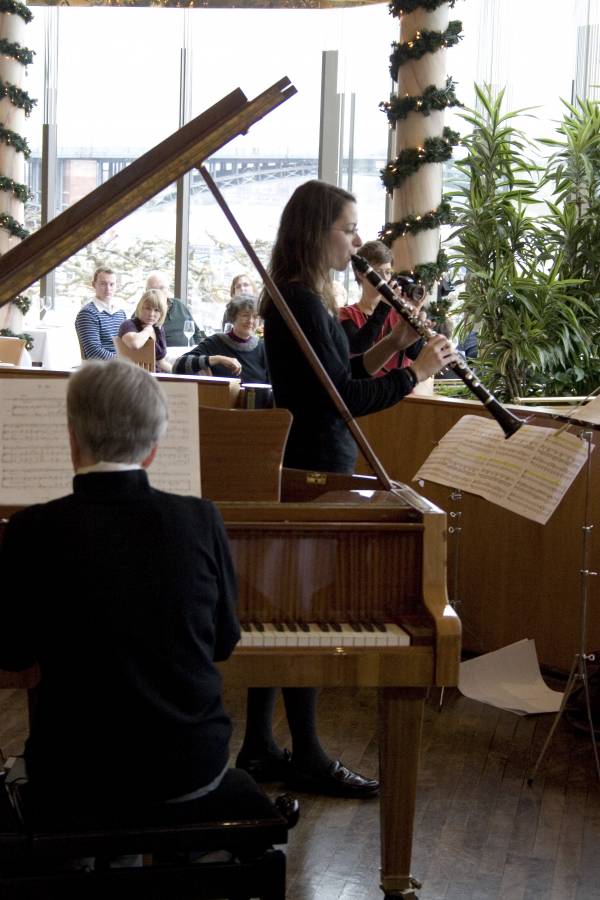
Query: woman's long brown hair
<point x="300" y="249"/>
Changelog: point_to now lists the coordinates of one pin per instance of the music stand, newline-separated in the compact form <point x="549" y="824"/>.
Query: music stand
<point x="579" y="669"/>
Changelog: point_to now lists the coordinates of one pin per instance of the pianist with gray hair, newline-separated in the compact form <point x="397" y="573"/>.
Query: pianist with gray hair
<point x="130" y="603"/>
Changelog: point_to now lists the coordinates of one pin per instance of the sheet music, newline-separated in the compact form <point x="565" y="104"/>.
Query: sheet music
<point x="529" y="473"/>
<point x="35" y="463"/>
<point x="588" y="412"/>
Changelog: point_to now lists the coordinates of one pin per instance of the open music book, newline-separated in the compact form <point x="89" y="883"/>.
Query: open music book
<point x="528" y="474"/>
<point x="35" y="465"/>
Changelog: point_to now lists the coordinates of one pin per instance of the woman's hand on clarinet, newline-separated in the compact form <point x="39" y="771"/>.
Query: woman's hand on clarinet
<point x="437" y="353"/>
<point x="402" y="335"/>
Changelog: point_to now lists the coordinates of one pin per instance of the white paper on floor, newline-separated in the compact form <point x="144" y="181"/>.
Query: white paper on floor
<point x="509" y="678"/>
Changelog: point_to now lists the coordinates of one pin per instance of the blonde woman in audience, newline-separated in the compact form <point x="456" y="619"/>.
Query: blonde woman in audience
<point x="147" y="324"/>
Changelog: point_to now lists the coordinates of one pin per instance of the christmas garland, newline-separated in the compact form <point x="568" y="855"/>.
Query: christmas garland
<point x="20" y="191"/>
<point x="6" y="332"/>
<point x="17" y="97"/>
<point x="432" y="98"/>
<point x="13" y="227"/>
<point x="422" y="43"/>
<point x="20" y="99"/>
<point x="401" y="7"/>
<point x="12" y="139"/>
<point x="434" y="150"/>
<point x="15" y="51"/>
<point x="443" y="215"/>
<point x="428" y="273"/>
<point x="15" y="8"/>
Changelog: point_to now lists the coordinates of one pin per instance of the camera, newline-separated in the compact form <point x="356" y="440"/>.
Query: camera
<point x="412" y="289"/>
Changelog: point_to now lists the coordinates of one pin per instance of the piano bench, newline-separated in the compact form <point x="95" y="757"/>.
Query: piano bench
<point x="237" y="817"/>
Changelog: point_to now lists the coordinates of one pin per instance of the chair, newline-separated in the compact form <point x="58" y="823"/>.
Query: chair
<point x="144" y="357"/>
<point x="11" y="349"/>
<point x="237" y="817"/>
<point x="241" y="452"/>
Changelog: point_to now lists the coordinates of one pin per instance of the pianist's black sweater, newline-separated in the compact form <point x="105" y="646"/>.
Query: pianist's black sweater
<point x="318" y="438"/>
<point x="125" y="595"/>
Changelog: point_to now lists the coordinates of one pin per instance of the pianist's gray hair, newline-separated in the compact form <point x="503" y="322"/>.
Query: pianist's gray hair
<point x="117" y="410"/>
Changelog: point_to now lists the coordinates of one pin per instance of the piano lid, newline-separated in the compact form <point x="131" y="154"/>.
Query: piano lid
<point x="74" y="228"/>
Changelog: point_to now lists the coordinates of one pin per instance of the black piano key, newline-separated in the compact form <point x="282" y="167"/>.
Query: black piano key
<point x="335" y="626"/>
<point x="355" y="626"/>
<point x="279" y="626"/>
<point x="380" y="626"/>
<point x="303" y="626"/>
<point x="367" y="626"/>
<point x="324" y="626"/>
<point x="246" y="626"/>
<point x="259" y="626"/>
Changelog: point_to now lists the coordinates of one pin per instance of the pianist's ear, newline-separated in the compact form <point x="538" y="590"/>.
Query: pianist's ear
<point x="75" y="451"/>
<point x="150" y="458"/>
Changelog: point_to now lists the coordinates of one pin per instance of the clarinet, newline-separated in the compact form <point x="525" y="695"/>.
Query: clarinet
<point x="505" y="419"/>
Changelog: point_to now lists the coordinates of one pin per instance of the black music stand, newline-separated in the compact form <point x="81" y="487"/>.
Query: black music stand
<point x="579" y="670"/>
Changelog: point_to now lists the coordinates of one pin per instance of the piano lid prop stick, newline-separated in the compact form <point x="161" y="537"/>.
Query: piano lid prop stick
<point x="301" y="338"/>
<point x="505" y="419"/>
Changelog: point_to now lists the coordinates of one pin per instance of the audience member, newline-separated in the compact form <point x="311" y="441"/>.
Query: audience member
<point x="130" y="604"/>
<point x="146" y="324"/>
<point x="242" y="284"/>
<point x="177" y="313"/>
<point x="239" y="352"/>
<point x="371" y="319"/>
<point x="98" y="322"/>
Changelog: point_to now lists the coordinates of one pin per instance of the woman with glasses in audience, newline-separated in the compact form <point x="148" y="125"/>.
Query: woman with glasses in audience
<point x="238" y="353"/>
<point x="318" y="232"/>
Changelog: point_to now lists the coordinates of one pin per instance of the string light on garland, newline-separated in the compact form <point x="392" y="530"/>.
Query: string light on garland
<point x="443" y="215"/>
<point x="432" y="98"/>
<point x="434" y="150"/>
<point x="17" y="97"/>
<point x="422" y="43"/>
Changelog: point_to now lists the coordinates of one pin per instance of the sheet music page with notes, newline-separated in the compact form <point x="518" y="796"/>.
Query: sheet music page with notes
<point x="529" y="473"/>
<point x="35" y="462"/>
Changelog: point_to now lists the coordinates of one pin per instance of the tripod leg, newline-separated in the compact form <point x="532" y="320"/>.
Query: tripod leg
<point x="568" y="690"/>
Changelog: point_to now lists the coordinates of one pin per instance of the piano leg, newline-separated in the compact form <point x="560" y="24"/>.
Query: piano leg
<point x="400" y="725"/>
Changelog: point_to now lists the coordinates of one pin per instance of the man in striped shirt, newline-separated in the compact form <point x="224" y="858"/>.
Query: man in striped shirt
<point x="99" y="320"/>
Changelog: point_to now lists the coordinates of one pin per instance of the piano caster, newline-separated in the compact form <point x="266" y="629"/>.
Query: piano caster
<point x="409" y="893"/>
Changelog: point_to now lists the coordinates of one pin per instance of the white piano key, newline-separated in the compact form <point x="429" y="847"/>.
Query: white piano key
<point x="398" y="636"/>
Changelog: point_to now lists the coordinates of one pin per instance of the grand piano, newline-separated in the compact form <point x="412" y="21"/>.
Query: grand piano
<point x="342" y="578"/>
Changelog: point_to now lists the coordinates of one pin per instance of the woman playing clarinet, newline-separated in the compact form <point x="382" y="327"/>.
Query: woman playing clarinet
<point x="318" y="232"/>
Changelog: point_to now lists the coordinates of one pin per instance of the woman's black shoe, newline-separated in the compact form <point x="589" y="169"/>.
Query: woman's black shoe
<point x="270" y="767"/>
<point x="336" y="781"/>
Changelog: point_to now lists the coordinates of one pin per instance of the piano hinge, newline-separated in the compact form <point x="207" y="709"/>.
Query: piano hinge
<point x="319" y="478"/>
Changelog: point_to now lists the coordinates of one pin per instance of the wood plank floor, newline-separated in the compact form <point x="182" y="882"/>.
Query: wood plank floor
<point x="481" y="833"/>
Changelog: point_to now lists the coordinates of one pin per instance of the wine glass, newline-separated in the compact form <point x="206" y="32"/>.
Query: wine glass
<point x="188" y="330"/>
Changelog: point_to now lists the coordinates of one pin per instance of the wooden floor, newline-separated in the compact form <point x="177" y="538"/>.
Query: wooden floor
<point x="481" y="833"/>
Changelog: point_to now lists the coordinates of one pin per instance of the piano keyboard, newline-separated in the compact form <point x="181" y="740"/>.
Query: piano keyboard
<point x="267" y="634"/>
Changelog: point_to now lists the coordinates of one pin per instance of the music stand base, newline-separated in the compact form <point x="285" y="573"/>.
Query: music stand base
<point x="577" y="675"/>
